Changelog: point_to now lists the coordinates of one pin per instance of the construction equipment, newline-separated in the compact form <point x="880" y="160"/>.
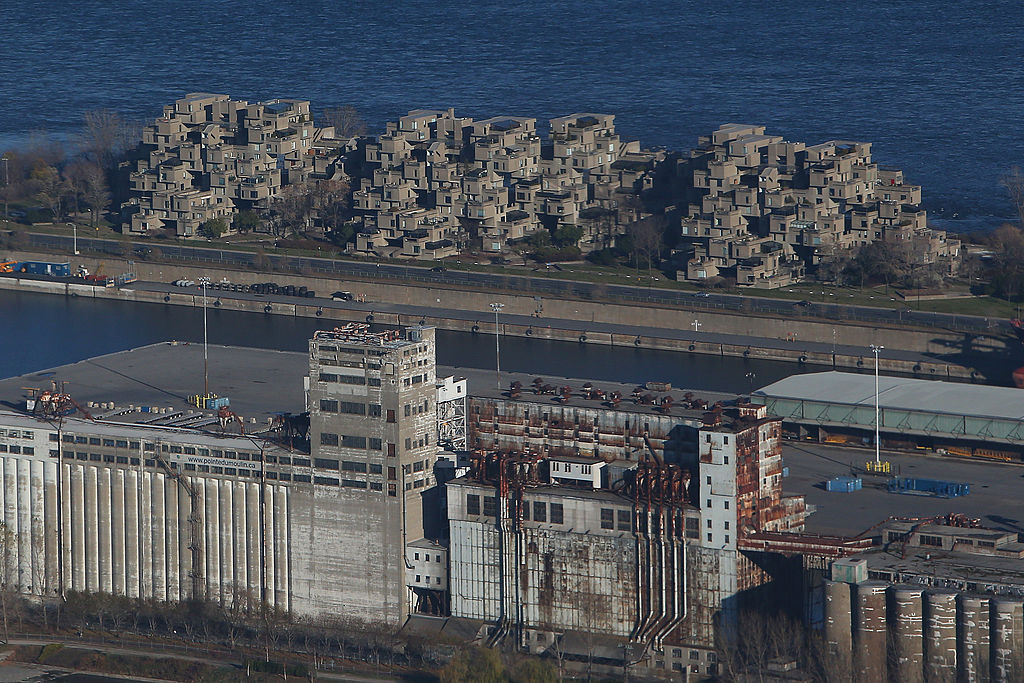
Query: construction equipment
<point x="209" y="401"/>
<point x="225" y="416"/>
<point x="50" y="403"/>
<point x="883" y="467"/>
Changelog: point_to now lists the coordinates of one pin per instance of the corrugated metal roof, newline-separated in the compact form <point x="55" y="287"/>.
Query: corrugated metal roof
<point x="951" y="398"/>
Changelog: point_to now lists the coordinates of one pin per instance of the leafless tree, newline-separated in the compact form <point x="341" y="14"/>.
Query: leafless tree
<point x="95" y="192"/>
<point x="1014" y="184"/>
<point x="646" y="235"/>
<point x="106" y="135"/>
<point x="346" y="121"/>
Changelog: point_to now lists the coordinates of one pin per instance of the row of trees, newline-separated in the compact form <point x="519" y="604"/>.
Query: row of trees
<point x="66" y="179"/>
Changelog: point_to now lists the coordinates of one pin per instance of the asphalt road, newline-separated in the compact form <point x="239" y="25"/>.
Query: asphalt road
<point x="540" y="285"/>
<point x="485" y="321"/>
<point x="994" y="498"/>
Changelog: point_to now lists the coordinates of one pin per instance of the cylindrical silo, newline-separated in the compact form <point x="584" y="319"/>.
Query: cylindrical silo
<point x="973" y="628"/>
<point x="838" y="618"/>
<point x="940" y="635"/>
<point x="906" y="645"/>
<point x="869" y="646"/>
<point x="1006" y="652"/>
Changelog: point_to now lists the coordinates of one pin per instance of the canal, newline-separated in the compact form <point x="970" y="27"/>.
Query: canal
<point x="42" y="331"/>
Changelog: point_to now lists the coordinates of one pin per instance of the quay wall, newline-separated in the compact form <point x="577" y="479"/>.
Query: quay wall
<point x="549" y="313"/>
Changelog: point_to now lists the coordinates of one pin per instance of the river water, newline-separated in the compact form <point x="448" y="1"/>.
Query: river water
<point x="43" y="330"/>
<point x="936" y="85"/>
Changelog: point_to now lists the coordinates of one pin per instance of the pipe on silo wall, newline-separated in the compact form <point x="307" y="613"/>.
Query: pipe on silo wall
<point x="1006" y="651"/>
<point x="838" y="619"/>
<point x="940" y="635"/>
<point x="973" y="637"/>
<point x="50" y="515"/>
<point x="174" y="528"/>
<point x="870" y="632"/>
<point x="77" y="529"/>
<point x="906" y="647"/>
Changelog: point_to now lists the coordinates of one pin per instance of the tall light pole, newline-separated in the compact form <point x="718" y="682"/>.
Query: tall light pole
<point x="876" y="349"/>
<point x="74" y="228"/>
<point x="204" y="282"/>
<point x="497" y="347"/>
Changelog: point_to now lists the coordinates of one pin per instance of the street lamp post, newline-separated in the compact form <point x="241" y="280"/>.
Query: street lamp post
<point x="204" y="282"/>
<point x="497" y="347"/>
<point x="876" y="349"/>
<point x="74" y="228"/>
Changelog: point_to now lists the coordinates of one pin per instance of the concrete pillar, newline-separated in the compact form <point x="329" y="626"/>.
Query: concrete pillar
<point x="940" y="636"/>
<point x="104" y="542"/>
<point x="1006" y="653"/>
<point x="132" y="546"/>
<point x="212" y="545"/>
<point x="906" y="645"/>
<point x="870" y="632"/>
<point x="282" y="519"/>
<point x="50" y="515"/>
<point x="239" y="579"/>
<point x="77" y="563"/>
<point x="117" y="528"/>
<point x="146" y="535"/>
<point x="158" y="534"/>
<point x="65" y="514"/>
<point x="92" y="539"/>
<point x="184" y="502"/>
<point x="24" y="530"/>
<point x="171" y="535"/>
<point x="252" y="539"/>
<point x="269" y="554"/>
<point x="973" y="637"/>
<point x="226" y="546"/>
<point x="37" y="545"/>
<point x="838" y="616"/>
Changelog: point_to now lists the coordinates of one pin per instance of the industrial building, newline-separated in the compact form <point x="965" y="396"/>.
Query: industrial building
<point x="839" y="407"/>
<point x="623" y="524"/>
<point x="938" y="600"/>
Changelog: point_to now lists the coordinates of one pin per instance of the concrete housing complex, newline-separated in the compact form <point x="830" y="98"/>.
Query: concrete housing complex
<point x="443" y="183"/>
<point x="769" y="209"/>
<point x="210" y="156"/>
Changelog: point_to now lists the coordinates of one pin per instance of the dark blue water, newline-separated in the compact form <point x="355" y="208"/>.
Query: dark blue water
<point x="938" y="86"/>
<point x="43" y="331"/>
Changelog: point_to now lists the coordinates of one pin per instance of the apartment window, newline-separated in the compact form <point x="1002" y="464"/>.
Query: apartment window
<point x="353" y="441"/>
<point x="109" y="443"/>
<point x="607" y="518"/>
<point x="540" y="511"/>
<point x="472" y="504"/>
<point x="391" y="416"/>
<point x="328" y="439"/>
<point x="557" y="513"/>
<point x="709" y="523"/>
<point x="407" y="408"/>
<point x="709" y="504"/>
<point x="375" y="444"/>
<point x="709" y="538"/>
<point x="328" y="405"/>
<point x="490" y="506"/>
<point x="727" y="526"/>
<point x="325" y="464"/>
<point x="726" y="503"/>
<point x="374" y="410"/>
<point x="376" y="469"/>
<point x="408" y="444"/>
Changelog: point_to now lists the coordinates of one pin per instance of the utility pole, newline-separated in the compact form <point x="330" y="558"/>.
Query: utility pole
<point x="204" y="282"/>
<point x="497" y="347"/>
<point x="74" y="228"/>
<point x="876" y="349"/>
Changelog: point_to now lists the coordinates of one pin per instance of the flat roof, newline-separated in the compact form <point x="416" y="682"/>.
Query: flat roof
<point x="921" y="395"/>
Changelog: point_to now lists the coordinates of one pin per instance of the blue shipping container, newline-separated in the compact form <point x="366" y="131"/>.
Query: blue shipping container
<point x="928" y="487"/>
<point x="844" y="484"/>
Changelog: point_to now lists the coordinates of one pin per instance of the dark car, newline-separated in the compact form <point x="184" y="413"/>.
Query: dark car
<point x="803" y="303"/>
<point x="439" y="269"/>
<point x="342" y="296"/>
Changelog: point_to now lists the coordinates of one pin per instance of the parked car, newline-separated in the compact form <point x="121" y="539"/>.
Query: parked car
<point x="342" y="296"/>
<point x="804" y="303"/>
<point x="702" y="295"/>
<point x="439" y="269"/>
